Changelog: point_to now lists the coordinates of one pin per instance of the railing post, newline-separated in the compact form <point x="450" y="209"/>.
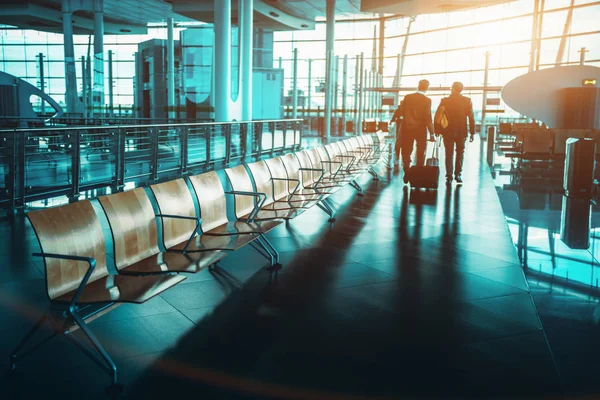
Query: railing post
<point x="491" y="142"/>
<point x="285" y="134"/>
<point x="183" y="149"/>
<point x="208" y="135"/>
<point x="154" y="154"/>
<point x="119" y="149"/>
<point x="244" y="141"/>
<point x="19" y="164"/>
<point x="226" y="131"/>
<point x="272" y="126"/>
<point x="75" y="141"/>
<point x="299" y="132"/>
<point x="259" y="133"/>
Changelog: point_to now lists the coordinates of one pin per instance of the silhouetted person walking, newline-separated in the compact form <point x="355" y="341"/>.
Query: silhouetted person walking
<point x="414" y="115"/>
<point x="458" y="109"/>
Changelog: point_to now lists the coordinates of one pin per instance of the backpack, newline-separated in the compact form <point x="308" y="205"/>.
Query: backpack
<point x="441" y="119"/>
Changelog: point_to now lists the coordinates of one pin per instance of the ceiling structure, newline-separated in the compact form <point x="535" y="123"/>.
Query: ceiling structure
<point x="417" y="7"/>
<point x="132" y="16"/>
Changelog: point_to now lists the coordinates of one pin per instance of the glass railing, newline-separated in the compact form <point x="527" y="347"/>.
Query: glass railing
<point x="43" y="163"/>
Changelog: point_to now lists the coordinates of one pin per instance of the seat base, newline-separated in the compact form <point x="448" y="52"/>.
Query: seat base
<point x="123" y="289"/>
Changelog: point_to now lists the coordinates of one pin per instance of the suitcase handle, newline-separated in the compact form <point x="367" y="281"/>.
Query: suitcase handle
<point x="435" y="152"/>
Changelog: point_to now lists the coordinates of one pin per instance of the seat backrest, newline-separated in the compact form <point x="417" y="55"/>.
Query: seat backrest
<point x="538" y="141"/>
<point x="332" y="151"/>
<point x="356" y="143"/>
<point x="292" y="166"/>
<point x="132" y="224"/>
<point x="347" y="146"/>
<point x="74" y="230"/>
<point x="174" y="197"/>
<point x="561" y="136"/>
<point x="315" y="160"/>
<point x="281" y="188"/>
<point x="339" y="148"/>
<point x="262" y="179"/>
<point x="211" y="199"/>
<point x="323" y="156"/>
<point x="240" y="180"/>
<point x="308" y="177"/>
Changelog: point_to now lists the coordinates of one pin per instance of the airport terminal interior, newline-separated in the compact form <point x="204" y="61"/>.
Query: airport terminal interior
<point x="214" y="199"/>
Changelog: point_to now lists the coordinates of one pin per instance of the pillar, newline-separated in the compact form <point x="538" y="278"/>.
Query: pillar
<point x="42" y="82"/>
<point x="246" y="30"/>
<point x="534" y="32"/>
<point x="582" y="55"/>
<point x="222" y="66"/>
<point x="98" y="87"/>
<point x="111" y="97"/>
<point x="329" y="51"/>
<point x="356" y="88"/>
<point x="359" y="114"/>
<point x="295" y="86"/>
<point x="309" y="95"/>
<point x="170" y="70"/>
<point x="381" y="44"/>
<point x="344" y="85"/>
<point x="485" y="85"/>
<point x="84" y="95"/>
<point x="71" y="97"/>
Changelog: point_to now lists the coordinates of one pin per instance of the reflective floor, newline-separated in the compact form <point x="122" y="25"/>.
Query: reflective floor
<point x="408" y="293"/>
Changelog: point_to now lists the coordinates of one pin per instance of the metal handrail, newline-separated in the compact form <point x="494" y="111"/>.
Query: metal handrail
<point x="179" y="124"/>
<point x="43" y="163"/>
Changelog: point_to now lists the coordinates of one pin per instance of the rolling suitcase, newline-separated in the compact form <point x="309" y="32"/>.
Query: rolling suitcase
<point x="427" y="176"/>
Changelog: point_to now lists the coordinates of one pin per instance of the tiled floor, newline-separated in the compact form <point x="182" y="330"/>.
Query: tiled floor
<point x="408" y="293"/>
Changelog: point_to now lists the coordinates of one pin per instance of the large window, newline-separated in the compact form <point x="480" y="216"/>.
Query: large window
<point x="449" y="47"/>
<point x="19" y="50"/>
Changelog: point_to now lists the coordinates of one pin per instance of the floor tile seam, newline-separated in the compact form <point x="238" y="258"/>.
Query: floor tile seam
<point x="543" y="330"/>
<point x="487" y="173"/>
<point x="365" y="284"/>
<point x="99" y="321"/>
<point x="474" y="273"/>
<point x="181" y="311"/>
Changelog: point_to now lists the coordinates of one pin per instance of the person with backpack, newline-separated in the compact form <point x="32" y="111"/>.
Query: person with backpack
<point x="451" y="120"/>
<point x="414" y="115"/>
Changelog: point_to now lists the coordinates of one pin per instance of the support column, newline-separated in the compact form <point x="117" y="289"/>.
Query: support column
<point x="329" y="51"/>
<point x="356" y="90"/>
<point x="344" y="85"/>
<point x="295" y="85"/>
<point x="532" y="54"/>
<point x="90" y="85"/>
<point x="538" y="52"/>
<point x="111" y="98"/>
<point x="309" y="95"/>
<point x="98" y="87"/>
<point x="582" y="55"/>
<point x="335" y="81"/>
<point x="222" y="66"/>
<point x="71" y="97"/>
<point x="563" y="40"/>
<point x="400" y="67"/>
<point x="381" y="44"/>
<point x="170" y="70"/>
<point x="485" y="85"/>
<point x="42" y="82"/>
<point x="359" y="114"/>
<point x="84" y="95"/>
<point x="246" y="57"/>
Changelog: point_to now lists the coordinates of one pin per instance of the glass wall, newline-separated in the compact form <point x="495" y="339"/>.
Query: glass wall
<point x="442" y="47"/>
<point x="449" y="47"/>
<point x="19" y="51"/>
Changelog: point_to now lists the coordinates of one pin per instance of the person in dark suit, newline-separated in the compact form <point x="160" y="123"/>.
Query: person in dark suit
<point x="413" y="118"/>
<point x="458" y="110"/>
